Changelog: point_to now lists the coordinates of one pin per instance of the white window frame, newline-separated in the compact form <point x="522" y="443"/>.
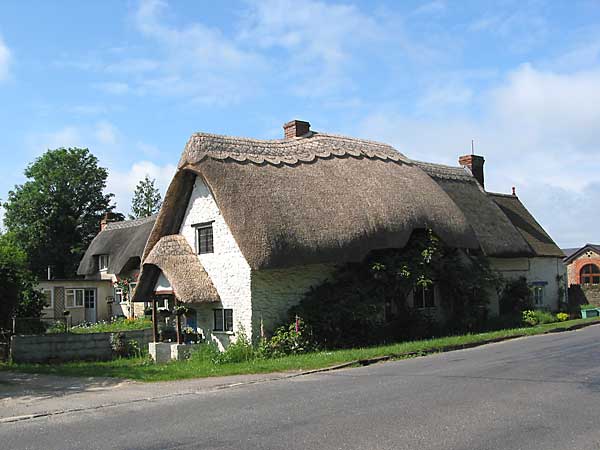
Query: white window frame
<point x="73" y="292"/>
<point x="119" y="295"/>
<point x="538" y="294"/>
<point x="51" y="290"/>
<point x="103" y="263"/>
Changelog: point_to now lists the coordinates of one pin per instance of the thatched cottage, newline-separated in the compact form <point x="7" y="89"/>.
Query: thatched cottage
<point x="115" y="253"/>
<point x="248" y="226"/>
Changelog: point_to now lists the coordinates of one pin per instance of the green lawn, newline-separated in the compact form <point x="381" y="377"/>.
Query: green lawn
<point x="121" y="324"/>
<point x="143" y="370"/>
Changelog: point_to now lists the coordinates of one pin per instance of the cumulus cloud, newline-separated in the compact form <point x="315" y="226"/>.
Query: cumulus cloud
<point x="123" y="182"/>
<point x="538" y="131"/>
<point x="5" y="60"/>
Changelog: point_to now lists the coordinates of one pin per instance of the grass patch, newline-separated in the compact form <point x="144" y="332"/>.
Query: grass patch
<point x="121" y="324"/>
<point x="143" y="370"/>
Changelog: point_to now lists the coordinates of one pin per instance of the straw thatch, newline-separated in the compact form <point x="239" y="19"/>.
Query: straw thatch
<point x="175" y="258"/>
<point x="537" y="238"/>
<point x="495" y="232"/>
<point x="124" y="242"/>
<point x="313" y="199"/>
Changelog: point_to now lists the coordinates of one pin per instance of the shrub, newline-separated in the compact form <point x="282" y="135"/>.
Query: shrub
<point x="562" y="316"/>
<point x="533" y="318"/>
<point x="206" y="352"/>
<point x="288" y="340"/>
<point x="239" y="351"/>
<point x="515" y="297"/>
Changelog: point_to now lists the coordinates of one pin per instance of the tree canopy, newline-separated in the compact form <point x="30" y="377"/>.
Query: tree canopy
<point x="146" y="199"/>
<point x="17" y="285"/>
<point x="56" y="213"/>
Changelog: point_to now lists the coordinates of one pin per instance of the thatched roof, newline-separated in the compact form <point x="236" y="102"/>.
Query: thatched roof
<point x="318" y="198"/>
<point x="537" y="238"/>
<point x="122" y="241"/>
<point x="495" y="232"/>
<point x="175" y="258"/>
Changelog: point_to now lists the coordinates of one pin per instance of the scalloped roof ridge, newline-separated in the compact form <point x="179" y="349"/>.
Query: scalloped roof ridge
<point x="292" y="151"/>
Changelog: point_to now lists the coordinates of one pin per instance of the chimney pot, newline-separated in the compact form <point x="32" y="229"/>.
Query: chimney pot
<point x="475" y="164"/>
<point x="296" y="128"/>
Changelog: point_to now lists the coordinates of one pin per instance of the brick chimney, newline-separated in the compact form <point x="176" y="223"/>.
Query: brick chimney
<point x="475" y="164"/>
<point x="106" y="219"/>
<point x="296" y="128"/>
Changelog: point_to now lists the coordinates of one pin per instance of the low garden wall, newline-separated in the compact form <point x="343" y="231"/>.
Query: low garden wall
<point x="70" y="347"/>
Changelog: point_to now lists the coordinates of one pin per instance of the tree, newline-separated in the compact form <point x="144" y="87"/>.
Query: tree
<point x="146" y="199"/>
<point x="18" y="295"/>
<point x="56" y="213"/>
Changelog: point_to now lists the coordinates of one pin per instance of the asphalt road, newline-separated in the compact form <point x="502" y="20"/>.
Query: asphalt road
<point x="540" y="392"/>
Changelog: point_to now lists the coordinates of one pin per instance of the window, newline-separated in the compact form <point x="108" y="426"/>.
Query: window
<point x="102" y="262"/>
<point x="78" y="298"/>
<point x="49" y="296"/>
<point x="589" y="274"/>
<point x="119" y="297"/>
<point x="538" y="295"/>
<point x="424" y="297"/>
<point x="204" y="237"/>
<point x="223" y="319"/>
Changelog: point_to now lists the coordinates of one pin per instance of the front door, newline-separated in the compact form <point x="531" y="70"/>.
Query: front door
<point x="89" y="301"/>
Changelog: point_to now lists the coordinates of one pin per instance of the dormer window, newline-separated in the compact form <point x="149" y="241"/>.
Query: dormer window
<point x="103" y="263"/>
<point x="204" y="238"/>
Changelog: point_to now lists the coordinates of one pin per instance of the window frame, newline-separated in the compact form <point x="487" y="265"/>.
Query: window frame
<point x="538" y="295"/>
<point x="51" y="290"/>
<point x="119" y="295"/>
<point x="209" y="244"/>
<point x="103" y="267"/>
<point x="587" y="278"/>
<point x="225" y="321"/>
<point x="423" y="303"/>
<point x="75" y="291"/>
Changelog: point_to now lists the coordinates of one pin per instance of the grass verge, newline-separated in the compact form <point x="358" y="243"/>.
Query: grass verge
<point x="142" y="370"/>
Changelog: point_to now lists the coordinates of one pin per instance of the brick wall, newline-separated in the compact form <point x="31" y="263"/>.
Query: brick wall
<point x="69" y="347"/>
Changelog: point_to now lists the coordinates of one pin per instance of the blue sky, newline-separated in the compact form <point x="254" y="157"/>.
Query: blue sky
<point x="131" y="80"/>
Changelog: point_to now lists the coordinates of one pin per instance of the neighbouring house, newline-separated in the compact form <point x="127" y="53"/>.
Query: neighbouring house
<point x="248" y="226"/>
<point x="115" y="253"/>
<point x="583" y="269"/>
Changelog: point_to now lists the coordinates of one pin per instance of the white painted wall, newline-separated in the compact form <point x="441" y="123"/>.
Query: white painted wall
<point x="227" y="267"/>
<point x="534" y="269"/>
<point x="274" y="292"/>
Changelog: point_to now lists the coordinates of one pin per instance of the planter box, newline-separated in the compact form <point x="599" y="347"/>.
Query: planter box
<point x="163" y="352"/>
<point x="587" y="313"/>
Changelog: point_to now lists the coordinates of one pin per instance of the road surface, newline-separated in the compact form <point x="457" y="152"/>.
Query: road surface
<point x="541" y="392"/>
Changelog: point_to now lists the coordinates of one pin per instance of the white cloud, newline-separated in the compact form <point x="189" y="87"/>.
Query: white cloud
<point x="319" y="39"/>
<point x="5" y="60"/>
<point x="68" y="136"/>
<point x="123" y="182"/>
<point x="538" y="131"/>
<point x="198" y="62"/>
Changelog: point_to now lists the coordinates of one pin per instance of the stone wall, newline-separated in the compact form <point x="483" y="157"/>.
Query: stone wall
<point x="584" y="295"/>
<point x="69" y="346"/>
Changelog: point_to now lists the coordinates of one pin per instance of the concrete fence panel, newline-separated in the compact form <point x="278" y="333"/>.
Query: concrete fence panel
<point x="70" y="347"/>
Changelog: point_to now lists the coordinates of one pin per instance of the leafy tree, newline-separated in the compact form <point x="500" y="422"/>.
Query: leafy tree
<point x="55" y="214"/>
<point x="146" y="199"/>
<point x="18" y="294"/>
